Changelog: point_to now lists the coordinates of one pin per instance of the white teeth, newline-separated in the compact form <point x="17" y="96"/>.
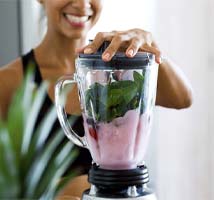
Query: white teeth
<point x="77" y="19"/>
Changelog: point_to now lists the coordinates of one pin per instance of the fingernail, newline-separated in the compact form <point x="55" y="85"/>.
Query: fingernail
<point x="159" y="60"/>
<point x="106" y="56"/>
<point x="88" y="50"/>
<point x="130" y="52"/>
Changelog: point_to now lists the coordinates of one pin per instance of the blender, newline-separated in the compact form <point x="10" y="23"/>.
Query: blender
<point x="117" y="100"/>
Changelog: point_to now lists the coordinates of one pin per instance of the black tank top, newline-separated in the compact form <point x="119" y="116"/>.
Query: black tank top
<point x="83" y="161"/>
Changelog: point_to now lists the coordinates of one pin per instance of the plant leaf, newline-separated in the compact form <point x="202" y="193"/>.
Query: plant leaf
<point x="9" y="175"/>
<point x="41" y="162"/>
<point x="31" y="161"/>
<point x="104" y="103"/>
<point x="57" y="167"/>
<point x="33" y="113"/>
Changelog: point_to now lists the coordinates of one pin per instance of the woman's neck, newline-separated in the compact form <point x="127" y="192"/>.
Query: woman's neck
<point x="58" y="51"/>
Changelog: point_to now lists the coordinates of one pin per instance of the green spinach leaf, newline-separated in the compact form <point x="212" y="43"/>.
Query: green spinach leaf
<point x="107" y="102"/>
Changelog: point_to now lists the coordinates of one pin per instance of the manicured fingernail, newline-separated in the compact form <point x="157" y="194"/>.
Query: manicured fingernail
<point x="130" y="52"/>
<point x="88" y="50"/>
<point x="159" y="60"/>
<point x="106" y="56"/>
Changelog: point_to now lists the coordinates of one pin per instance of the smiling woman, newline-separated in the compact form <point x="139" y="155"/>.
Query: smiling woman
<point x="72" y="21"/>
<point x="68" y="24"/>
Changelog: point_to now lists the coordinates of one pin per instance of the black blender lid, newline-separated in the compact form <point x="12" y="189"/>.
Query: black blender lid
<point x="119" y="61"/>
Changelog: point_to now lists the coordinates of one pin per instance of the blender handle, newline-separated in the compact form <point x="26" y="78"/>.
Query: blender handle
<point x="62" y="116"/>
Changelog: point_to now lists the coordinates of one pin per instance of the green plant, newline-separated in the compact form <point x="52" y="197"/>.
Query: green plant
<point x="106" y="102"/>
<point x="31" y="166"/>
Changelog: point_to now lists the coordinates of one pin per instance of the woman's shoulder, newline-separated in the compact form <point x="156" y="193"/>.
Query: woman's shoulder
<point x="11" y="76"/>
<point x="12" y="71"/>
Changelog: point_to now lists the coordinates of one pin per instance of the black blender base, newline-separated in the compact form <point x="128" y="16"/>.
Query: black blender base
<point x="118" y="184"/>
<point x="87" y="196"/>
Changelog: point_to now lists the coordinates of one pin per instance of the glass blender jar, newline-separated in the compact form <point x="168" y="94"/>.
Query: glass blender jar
<point x="117" y="100"/>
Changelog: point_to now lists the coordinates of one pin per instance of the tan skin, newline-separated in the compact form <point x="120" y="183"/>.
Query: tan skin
<point x="56" y="53"/>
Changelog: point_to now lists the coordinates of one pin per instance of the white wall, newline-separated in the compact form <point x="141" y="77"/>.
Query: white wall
<point x="211" y="87"/>
<point x="31" y="31"/>
<point x="123" y="15"/>
<point x="184" y="137"/>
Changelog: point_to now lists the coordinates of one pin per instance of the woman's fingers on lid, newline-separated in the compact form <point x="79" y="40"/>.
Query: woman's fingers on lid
<point x="133" y="47"/>
<point x="97" y="42"/>
<point x="153" y="50"/>
<point x="112" y="48"/>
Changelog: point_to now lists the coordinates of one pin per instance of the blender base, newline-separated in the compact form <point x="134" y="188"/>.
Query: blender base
<point x="119" y="184"/>
<point x="87" y="196"/>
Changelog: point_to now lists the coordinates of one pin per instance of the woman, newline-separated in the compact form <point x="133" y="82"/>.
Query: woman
<point x="68" y="24"/>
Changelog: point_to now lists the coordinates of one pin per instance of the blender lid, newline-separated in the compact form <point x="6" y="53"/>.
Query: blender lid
<point x="119" y="60"/>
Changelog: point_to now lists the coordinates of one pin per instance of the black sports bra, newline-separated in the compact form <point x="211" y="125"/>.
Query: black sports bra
<point x="83" y="161"/>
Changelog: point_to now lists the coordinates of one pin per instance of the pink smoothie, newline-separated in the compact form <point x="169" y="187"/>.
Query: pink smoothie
<point x="121" y="143"/>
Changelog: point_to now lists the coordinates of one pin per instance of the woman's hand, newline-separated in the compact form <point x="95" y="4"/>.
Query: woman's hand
<point x="173" y="89"/>
<point x="130" y="42"/>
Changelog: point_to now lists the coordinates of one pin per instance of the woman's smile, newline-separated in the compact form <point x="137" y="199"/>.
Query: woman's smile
<point x="73" y="19"/>
<point x="76" y="20"/>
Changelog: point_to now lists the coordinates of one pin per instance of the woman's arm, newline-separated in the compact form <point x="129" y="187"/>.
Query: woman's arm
<point x="75" y="188"/>
<point x="173" y="88"/>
